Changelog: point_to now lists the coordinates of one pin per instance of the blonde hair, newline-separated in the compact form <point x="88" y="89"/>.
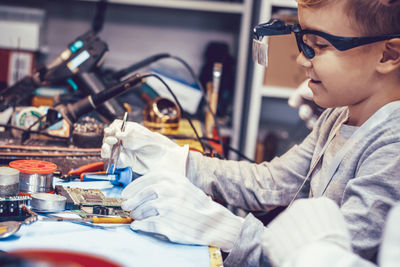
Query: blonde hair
<point x="369" y="16"/>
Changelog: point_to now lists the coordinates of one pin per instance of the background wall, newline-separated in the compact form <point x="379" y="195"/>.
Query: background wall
<point x="133" y="32"/>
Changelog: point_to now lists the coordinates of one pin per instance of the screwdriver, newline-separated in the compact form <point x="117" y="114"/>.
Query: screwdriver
<point x="94" y="219"/>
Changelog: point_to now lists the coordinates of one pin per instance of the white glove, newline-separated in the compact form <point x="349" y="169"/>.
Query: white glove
<point x="326" y="254"/>
<point x="144" y="150"/>
<point x="302" y="98"/>
<point x="390" y="247"/>
<point x="166" y="203"/>
<point x="305" y="222"/>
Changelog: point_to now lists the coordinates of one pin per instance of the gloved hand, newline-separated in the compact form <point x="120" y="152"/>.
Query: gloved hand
<point x="144" y="150"/>
<point x="302" y="98"/>
<point x="305" y="222"/>
<point x="166" y="203"/>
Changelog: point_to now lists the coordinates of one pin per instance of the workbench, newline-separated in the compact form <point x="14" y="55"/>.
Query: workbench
<point x="117" y="243"/>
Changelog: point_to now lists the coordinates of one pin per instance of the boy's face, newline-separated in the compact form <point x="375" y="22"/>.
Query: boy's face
<point x="338" y="78"/>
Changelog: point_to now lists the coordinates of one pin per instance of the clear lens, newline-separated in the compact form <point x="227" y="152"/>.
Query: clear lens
<point x="260" y="52"/>
<point x="313" y="44"/>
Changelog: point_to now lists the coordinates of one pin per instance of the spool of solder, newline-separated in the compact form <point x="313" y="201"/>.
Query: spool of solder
<point x="45" y="202"/>
<point x="9" y="182"/>
<point x="36" y="176"/>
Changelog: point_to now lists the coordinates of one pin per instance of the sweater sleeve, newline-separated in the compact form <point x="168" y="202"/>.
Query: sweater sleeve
<point x="369" y="196"/>
<point x="249" y="247"/>
<point x="253" y="186"/>
<point x="307" y="221"/>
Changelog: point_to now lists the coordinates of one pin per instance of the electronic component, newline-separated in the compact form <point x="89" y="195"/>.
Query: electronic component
<point x="88" y="132"/>
<point x="11" y="208"/>
<point x="162" y="115"/>
<point x="91" y="201"/>
<point x="9" y="182"/>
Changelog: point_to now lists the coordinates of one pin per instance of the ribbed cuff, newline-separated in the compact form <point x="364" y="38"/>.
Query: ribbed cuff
<point x="248" y="247"/>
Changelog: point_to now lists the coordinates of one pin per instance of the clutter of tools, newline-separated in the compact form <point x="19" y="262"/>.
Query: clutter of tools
<point x="27" y="194"/>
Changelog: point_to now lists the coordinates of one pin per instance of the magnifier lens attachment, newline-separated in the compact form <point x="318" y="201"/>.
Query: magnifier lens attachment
<point x="260" y="52"/>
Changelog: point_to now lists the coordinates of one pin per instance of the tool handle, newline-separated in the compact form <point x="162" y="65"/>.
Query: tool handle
<point x="91" y="167"/>
<point x="111" y="220"/>
<point x="209" y="120"/>
<point x="94" y="176"/>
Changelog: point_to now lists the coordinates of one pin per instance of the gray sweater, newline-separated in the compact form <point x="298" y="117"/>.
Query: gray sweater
<point x="365" y="185"/>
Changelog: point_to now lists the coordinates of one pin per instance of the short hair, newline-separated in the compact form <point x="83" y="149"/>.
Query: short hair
<point x="369" y="16"/>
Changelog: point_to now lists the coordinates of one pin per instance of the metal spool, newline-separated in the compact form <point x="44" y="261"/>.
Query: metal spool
<point x="9" y="181"/>
<point x="35" y="175"/>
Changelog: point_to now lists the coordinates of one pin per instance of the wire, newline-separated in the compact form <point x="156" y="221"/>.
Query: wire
<point x="36" y="122"/>
<point x="198" y="83"/>
<point x="179" y="105"/>
<point x="157" y="57"/>
<point x="196" y="80"/>
<point x="230" y="148"/>
<point x="35" y="132"/>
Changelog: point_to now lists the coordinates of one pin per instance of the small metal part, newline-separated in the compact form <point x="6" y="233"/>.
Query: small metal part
<point x="99" y="176"/>
<point x="35" y="175"/>
<point x="32" y="218"/>
<point x="116" y="149"/>
<point x="91" y="201"/>
<point x="70" y="204"/>
<point x="11" y="208"/>
<point x="9" y="182"/>
<point x="87" y="133"/>
<point x="32" y="183"/>
<point x="162" y="115"/>
<point x="44" y="202"/>
<point x="8" y="228"/>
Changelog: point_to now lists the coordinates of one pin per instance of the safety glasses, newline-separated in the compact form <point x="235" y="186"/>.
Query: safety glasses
<point x="310" y="42"/>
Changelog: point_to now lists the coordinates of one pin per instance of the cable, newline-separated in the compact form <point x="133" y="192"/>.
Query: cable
<point x="157" y="57"/>
<point x="179" y="105"/>
<point x="35" y="132"/>
<point x="230" y="148"/>
<point x="198" y="83"/>
<point x="147" y="61"/>
<point x="26" y="133"/>
<point x="91" y="102"/>
<point x="194" y="77"/>
<point x="98" y="20"/>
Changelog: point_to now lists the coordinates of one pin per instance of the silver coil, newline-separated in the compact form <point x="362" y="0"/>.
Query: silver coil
<point x="35" y="183"/>
<point x="46" y="202"/>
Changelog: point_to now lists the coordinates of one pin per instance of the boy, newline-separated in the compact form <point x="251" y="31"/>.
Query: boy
<point x="351" y="156"/>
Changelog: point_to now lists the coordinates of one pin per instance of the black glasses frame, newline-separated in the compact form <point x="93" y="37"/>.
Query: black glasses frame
<point x="278" y="27"/>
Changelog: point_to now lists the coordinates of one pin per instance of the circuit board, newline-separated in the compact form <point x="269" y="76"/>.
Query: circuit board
<point x="91" y="201"/>
<point x="11" y="208"/>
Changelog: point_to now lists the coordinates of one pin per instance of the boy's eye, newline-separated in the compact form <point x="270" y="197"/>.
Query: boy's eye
<point x="321" y="46"/>
<point x="315" y="41"/>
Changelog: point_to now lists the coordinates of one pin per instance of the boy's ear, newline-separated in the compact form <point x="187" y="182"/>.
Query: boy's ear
<point x="390" y="57"/>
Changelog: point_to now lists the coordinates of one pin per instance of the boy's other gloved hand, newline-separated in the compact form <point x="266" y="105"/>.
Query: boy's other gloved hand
<point x="307" y="221"/>
<point x="302" y="98"/>
<point x="168" y="204"/>
<point x="144" y="150"/>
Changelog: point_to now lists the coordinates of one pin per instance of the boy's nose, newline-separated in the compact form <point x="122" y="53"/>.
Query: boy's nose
<point x="303" y="61"/>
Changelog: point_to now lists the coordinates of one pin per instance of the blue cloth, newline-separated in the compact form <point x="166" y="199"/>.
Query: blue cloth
<point x="117" y="243"/>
